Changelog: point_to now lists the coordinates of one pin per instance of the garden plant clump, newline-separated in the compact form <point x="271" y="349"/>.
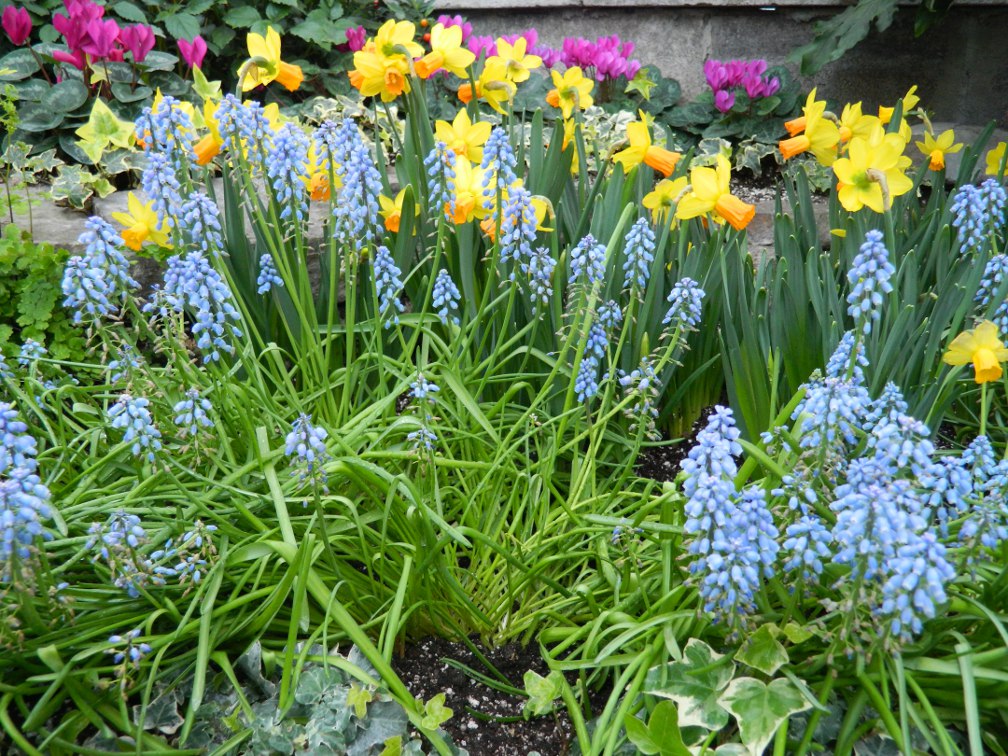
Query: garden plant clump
<point x="397" y="379"/>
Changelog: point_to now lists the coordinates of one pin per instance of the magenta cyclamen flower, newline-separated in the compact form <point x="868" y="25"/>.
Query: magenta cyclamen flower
<point x="101" y="38"/>
<point x="356" y="37"/>
<point x="194" y="52"/>
<point x="480" y="46"/>
<point x="138" y="40"/>
<point x="458" y="21"/>
<point x="724" y="100"/>
<point x="17" y="24"/>
<point x="75" y="59"/>
<point x="73" y="26"/>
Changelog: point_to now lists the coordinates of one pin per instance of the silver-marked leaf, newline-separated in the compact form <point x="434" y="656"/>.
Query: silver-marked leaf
<point x="760" y="709"/>
<point x="763" y="651"/>
<point x="695" y="684"/>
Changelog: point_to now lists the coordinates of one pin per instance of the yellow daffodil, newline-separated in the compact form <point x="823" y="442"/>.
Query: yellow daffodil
<point x="208" y="147"/>
<point x="663" y="198"/>
<point x="468" y="192"/>
<point x="391" y="210"/>
<point x="517" y="62"/>
<point x="267" y="65"/>
<point x="462" y="136"/>
<point x="872" y="172"/>
<point x="994" y="158"/>
<point x="571" y="90"/>
<point x="642" y="151"/>
<point x="492" y="86"/>
<point x="569" y="125"/>
<point x="540" y="207"/>
<point x="854" y="123"/>
<point x="395" y="39"/>
<point x="983" y="348"/>
<point x="910" y="100"/>
<point x="318" y="180"/>
<point x="446" y="52"/>
<point x="937" y="149"/>
<point x="820" y="136"/>
<point x="375" y="74"/>
<point x="710" y="193"/>
<point x="141" y="224"/>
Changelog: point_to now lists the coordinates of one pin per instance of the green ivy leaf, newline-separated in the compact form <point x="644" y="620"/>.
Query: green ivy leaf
<point x="763" y="651"/>
<point x="796" y="633"/>
<point x="207" y="90"/>
<point x="695" y="684"/>
<point x="760" y="709"/>
<point x="102" y="130"/>
<point x="661" y="736"/>
<point x="359" y="698"/>
<point x="315" y="683"/>
<point x="435" y="713"/>
<point x="542" y="692"/>
<point x="641" y="83"/>
<point x="70" y="186"/>
<point x="385" y="721"/>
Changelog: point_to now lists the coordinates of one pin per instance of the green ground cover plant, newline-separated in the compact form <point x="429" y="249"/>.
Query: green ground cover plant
<point x="398" y="384"/>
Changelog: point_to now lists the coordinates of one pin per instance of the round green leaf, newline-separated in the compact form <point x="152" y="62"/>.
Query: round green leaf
<point x="69" y="145"/>
<point x="66" y="96"/>
<point x="21" y="64"/>
<point x="37" y="118"/>
<point x="119" y="71"/>
<point x="124" y="93"/>
<point x="31" y="90"/>
<point x="159" y="61"/>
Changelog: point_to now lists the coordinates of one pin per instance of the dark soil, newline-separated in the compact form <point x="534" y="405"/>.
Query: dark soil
<point x="486" y="721"/>
<point x="661" y="462"/>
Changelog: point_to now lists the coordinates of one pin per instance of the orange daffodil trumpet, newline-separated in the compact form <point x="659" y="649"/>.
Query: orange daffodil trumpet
<point x="571" y="90"/>
<point x="710" y="193"/>
<point x="446" y="53"/>
<point x="983" y="348"/>
<point x="937" y="149"/>
<point x="391" y="210"/>
<point x="641" y="150"/>
<point x="264" y="64"/>
<point x="819" y="135"/>
<point x="141" y="224"/>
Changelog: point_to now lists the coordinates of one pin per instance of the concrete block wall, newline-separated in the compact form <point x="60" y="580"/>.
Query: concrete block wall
<point x="960" y="65"/>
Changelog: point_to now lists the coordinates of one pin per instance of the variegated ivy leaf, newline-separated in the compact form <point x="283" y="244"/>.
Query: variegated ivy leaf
<point x="760" y="709"/>
<point x="763" y="651"/>
<point x="695" y="684"/>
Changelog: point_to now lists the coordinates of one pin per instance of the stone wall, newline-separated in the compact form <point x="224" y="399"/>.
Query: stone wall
<point x="960" y="64"/>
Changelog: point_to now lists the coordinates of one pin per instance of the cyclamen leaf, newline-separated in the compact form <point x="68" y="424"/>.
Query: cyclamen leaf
<point x="695" y="685"/>
<point x="763" y="651"/>
<point x="760" y="709"/>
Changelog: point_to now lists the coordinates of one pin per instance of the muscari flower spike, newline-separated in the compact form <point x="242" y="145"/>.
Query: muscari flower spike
<point x="685" y="304"/>
<point x="191" y="412"/>
<point x="445" y="297"/>
<point x="286" y="164"/>
<point x="440" y="167"/>
<point x="131" y="415"/>
<point x="640" y="247"/>
<point x="869" y="279"/>
<point x="92" y="282"/>
<point x="587" y="260"/>
<point x="305" y="446"/>
<point x="268" y="274"/>
<point x="389" y="285"/>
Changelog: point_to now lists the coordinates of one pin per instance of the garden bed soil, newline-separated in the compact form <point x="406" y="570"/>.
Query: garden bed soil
<point x="486" y="721"/>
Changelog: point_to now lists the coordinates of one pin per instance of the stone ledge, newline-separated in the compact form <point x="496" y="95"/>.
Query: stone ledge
<point x="796" y="5"/>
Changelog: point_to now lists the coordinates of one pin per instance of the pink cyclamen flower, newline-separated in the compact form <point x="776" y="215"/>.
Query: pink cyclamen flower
<point x="716" y="74"/>
<point x="17" y="23"/>
<point x="138" y="40"/>
<point x="458" y="21"/>
<point x="356" y="37"/>
<point x="75" y="59"/>
<point x="480" y="46"/>
<point x="193" y="52"/>
<point x="724" y="100"/>
<point x="101" y="38"/>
